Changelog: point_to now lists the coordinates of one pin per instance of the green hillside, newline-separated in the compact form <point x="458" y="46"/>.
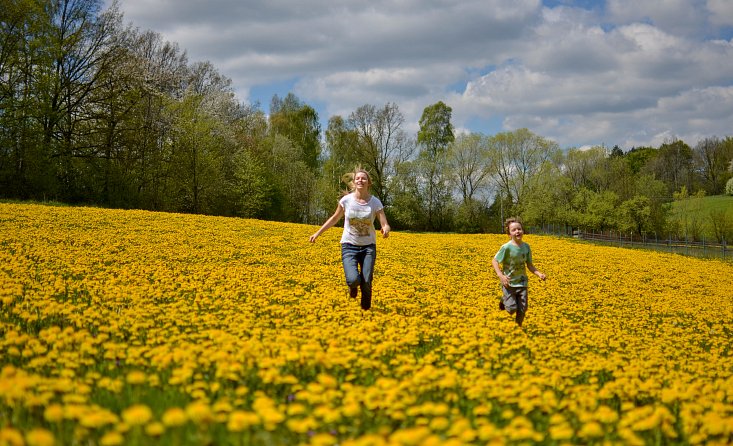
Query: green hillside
<point x="697" y="215"/>
<point x="706" y="204"/>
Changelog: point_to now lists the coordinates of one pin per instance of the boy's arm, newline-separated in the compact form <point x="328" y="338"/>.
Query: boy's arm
<point x="503" y="278"/>
<point x="535" y="271"/>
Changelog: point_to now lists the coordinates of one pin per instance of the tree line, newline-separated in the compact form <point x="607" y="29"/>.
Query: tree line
<point x="95" y="111"/>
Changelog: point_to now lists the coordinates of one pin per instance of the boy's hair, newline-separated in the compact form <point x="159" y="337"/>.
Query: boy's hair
<point x="511" y="220"/>
<point x="348" y="178"/>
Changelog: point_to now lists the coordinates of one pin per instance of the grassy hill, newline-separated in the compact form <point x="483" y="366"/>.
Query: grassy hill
<point x="707" y="204"/>
<point x="697" y="213"/>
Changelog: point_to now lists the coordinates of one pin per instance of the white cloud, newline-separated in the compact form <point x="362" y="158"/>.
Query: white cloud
<point x="721" y="12"/>
<point x="683" y="17"/>
<point x="625" y="74"/>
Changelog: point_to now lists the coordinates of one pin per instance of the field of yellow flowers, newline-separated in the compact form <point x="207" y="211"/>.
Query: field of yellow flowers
<point x="131" y="327"/>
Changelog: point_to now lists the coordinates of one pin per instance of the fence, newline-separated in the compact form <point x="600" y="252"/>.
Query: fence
<point x="704" y="248"/>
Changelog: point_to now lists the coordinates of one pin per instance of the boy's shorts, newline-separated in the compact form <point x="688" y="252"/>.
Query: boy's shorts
<point x="515" y="299"/>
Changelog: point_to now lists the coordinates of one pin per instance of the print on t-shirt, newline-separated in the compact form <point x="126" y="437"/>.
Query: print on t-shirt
<point x="360" y="221"/>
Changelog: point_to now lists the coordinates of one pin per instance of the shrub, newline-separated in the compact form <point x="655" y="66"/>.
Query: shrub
<point x="729" y="187"/>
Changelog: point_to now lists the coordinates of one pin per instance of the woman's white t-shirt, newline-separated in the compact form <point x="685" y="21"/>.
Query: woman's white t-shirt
<point x="359" y="220"/>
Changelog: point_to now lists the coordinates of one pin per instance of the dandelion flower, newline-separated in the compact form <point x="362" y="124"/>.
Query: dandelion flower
<point x="137" y="415"/>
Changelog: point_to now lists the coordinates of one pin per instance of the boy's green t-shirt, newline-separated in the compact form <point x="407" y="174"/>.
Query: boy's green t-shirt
<point x="513" y="259"/>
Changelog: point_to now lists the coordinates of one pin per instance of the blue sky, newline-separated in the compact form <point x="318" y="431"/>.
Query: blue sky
<point x="580" y="72"/>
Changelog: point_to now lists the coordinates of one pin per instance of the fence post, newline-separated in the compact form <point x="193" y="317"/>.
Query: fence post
<point x="704" y="251"/>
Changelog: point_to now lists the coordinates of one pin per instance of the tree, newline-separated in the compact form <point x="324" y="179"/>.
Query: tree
<point x="655" y="191"/>
<point x="516" y="157"/>
<point x="251" y="184"/>
<point x="640" y="157"/>
<point x="582" y="167"/>
<point x="292" y="179"/>
<point x="618" y="177"/>
<point x="688" y="213"/>
<point x="550" y="198"/>
<point x="434" y="137"/>
<point x="722" y="225"/>
<point x="297" y="121"/>
<point x="406" y="211"/>
<point x="616" y="152"/>
<point x="341" y="157"/>
<point x="78" y="45"/>
<point x="382" y="143"/>
<point x="673" y="165"/>
<point x="592" y="210"/>
<point x="634" y="215"/>
<point x="468" y="163"/>
<point x="436" y="130"/>
<point x="712" y="157"/>
<point x="25" y="170"/>
<point x="196" y="158"/>
<point x="160" y="71"/>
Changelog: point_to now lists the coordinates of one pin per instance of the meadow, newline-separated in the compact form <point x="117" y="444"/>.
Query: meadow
<point x="696" y="214"/>
<point x="140" y="328"/>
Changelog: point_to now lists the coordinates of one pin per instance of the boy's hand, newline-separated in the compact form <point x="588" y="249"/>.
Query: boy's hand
<point x="504" y="280"/>
<point x="542" y="276"/>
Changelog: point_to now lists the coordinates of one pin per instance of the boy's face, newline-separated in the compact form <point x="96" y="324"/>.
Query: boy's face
<point x="516" y="231"/>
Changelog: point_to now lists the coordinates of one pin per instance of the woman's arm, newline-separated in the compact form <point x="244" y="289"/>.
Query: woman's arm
<point x="383" y="223"/>
<point x="332" y="220"/>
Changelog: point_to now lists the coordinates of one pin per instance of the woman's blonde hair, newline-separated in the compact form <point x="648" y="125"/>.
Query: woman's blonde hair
<point x="348" y="178"/>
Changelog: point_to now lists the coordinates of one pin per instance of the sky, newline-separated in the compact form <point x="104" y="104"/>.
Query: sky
<point x="579" y="72"/>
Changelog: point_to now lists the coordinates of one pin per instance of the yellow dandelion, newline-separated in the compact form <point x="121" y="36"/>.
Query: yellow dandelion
<point x="323" y="439"/>
<point x="410" y="436"/>
<point x="112" y="439"/>
<point x="154" y="429"/>
<point x="240" y="420"/>
<point x="174" y="417"/>
<point x="606" y="415"/>
<point x="200" y="413"/>
<point x="591" y="430"/>
<point x="351" y="409"/>
<point x="439" y="424"/>
<point x="94" y="419"/>
<point x="136" y="377"/>
<point x="561" y="432"/>
<point x="54" y="413"/>
<point x="296" y="409"/>
<point x="137" y="415"/>
<point x="40" y="437"/>
<point x="327" y="381"/>
<point x="11" y="437"/>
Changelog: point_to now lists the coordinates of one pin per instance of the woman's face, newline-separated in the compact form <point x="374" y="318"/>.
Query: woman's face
<point x="361" y="180"/>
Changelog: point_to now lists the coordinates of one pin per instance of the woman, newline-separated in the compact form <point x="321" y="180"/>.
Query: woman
<point x="359" y="238"/>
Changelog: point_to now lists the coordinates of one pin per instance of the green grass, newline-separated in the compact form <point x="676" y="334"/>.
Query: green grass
<point x="697" y="212"/>
<point x="705" y="205"/>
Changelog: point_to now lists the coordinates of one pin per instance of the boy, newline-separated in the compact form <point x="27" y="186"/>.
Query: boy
<point x="509" y="264"/>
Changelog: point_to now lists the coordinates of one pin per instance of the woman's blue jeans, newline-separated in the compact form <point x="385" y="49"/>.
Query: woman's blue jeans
<point x="359" y="269"/>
